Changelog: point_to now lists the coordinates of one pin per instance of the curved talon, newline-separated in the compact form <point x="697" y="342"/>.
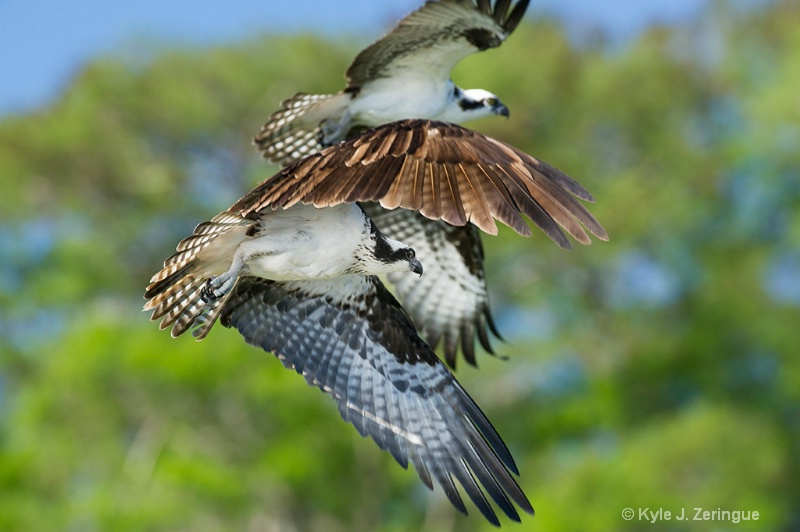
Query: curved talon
<point x="218" y="286"/>
<point x="208" y="294"/>
<point x="321" y="139"/>
<point x="326" y="133"/>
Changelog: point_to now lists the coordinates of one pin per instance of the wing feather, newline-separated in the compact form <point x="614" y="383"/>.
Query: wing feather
<point x="471" y="194"/>
<point x="352" y="339"/>
<point x="445" y="172"/>
<point x="450" y="302"/>
<point x="174" y="292"/>
<point x="293" y="131"/>
<point x="433" y="39"/>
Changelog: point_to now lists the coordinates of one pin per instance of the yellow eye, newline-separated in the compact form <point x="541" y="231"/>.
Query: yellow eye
<point x="492" y="101"/>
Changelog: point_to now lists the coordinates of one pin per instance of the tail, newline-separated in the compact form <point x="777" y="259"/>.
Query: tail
<point x="175" y="293"/>
<point x="293" y="131"/>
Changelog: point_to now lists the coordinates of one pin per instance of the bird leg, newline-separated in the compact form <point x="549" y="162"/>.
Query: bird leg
<point x="220" y="285"/>
<point x="332" y="131"/>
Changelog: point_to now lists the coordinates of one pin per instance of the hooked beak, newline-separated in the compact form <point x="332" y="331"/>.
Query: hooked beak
<point x="415" y="266"/>
<point x="501" y="109"/>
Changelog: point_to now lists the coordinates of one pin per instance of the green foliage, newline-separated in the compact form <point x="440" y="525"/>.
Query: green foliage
<point x="657" y="370"/>
<point x="666" y="464"/>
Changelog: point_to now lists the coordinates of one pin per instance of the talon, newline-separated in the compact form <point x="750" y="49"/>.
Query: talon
<point x="218" y="286"/>
<point x="331" y="130"/>
<point x="207" y="293"/>
<point x="327" y="132"/>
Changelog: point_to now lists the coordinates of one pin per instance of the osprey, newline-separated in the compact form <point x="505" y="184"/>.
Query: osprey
<point x="405" y="74"/>
<point x="299" y="244"/>
<point x="433" y="185"/>
<point x="300" y="283"/>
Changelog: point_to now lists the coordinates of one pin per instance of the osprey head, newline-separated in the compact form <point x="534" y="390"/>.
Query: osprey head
<point x="474" y="103"/>
<point x="380" y="254"/>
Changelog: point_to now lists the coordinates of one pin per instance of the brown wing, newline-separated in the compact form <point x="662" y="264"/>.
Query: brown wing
<point x="442" y="170"/>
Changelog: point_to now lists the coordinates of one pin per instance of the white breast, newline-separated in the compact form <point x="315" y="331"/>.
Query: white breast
<point x="304" y="242"/>
<point x="389" y="99"/>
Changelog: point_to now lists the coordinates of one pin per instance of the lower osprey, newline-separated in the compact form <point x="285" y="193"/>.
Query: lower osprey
<point x="301" y="284"/>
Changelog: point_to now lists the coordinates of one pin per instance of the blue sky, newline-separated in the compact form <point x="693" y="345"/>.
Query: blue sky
<point x="44" y="43"/>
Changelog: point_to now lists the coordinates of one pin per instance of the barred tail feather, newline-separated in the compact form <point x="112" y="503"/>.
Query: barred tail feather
<point x="177" y="304"/>
<point x="293" y="131"/>
<point x="205" y="320"/>
<point x="175" y="292"/>
<point x="206" y="231"/>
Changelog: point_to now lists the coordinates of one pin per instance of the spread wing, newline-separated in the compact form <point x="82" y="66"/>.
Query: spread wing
<point x="450" y="302"/>
<point x="442" y="170"/>
<point x="351" y="338"/>
<point x="432" y="39"/>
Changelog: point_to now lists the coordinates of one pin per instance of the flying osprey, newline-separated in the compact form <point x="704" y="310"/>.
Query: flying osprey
<point x="300" y="283"/>
<point x="405" y="74"/>
<point x="433" y="185"/>
<point x="300" y="244"/>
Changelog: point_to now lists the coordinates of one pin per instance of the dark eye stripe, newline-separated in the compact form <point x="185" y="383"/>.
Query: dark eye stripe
<point x="469" y="104"/>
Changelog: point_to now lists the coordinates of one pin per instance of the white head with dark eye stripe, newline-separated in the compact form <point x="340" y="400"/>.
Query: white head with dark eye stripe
<point x="380" y="254"/>
<point x="471" y="104"/>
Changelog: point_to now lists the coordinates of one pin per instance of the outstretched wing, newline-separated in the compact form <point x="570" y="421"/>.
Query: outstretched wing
<point x="351" y="338"/>
<point x="450" y="302"/>
<point x="442" y="170"/>
<point x="431" y="40"/>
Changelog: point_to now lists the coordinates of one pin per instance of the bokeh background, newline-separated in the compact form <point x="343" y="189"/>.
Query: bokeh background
<point x="657" y="370"/>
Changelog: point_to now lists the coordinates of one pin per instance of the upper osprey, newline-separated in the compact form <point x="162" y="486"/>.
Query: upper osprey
<point x="405" y="74"/>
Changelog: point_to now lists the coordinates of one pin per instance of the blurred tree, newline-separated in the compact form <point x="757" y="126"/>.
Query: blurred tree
<point x="658" y="370"/>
